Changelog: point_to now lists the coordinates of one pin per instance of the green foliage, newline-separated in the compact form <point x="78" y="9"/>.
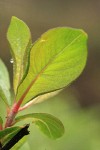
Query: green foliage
<point x="44" y="97"/>
<point x="47" y="123"/>
<point x="1" y="121"/>
<point x="19" y="38"/>
<point x="56" y="59"/>
<point x="40" y="70"/>
<point x="4" y="84"/>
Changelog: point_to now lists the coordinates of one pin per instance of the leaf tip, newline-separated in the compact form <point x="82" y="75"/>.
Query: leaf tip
<point x="14" y="18"/>
<point x="84" y="33"/>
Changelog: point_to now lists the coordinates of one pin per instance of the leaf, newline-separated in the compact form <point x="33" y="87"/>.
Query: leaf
<point x="8" y="133"/>
<point x="40" y="99"/>
<point x="44" y="97"/>
<point x="48" y="124"/>
<point x="4" y="84"/>
<point x="1" y="121"/>
<point x="19" y="38"/>
<point x="56" y="60"/>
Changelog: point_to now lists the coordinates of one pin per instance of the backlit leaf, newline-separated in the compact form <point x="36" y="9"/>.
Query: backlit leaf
<point x="19" y="38"/>
<point x="48" y="124"/>
<point x="41" y="98"/>
<point x="56" y="60"/>
<point x="4" y="84"/>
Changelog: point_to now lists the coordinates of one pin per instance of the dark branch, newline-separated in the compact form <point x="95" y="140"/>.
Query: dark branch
<point x="24" y="131"/>
<point x="0" y="146"/>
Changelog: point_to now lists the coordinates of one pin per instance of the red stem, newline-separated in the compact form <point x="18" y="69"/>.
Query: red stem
<point x="14" y="110"/>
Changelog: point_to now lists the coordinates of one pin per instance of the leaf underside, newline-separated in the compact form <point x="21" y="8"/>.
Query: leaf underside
<point x="44" y="97"/>
<point x="48" y="124"/>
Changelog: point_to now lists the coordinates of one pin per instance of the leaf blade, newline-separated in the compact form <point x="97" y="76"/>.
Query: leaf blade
<point x="19" y="38"/>
<point x="48" y="124"/>
<point x="1" y="121"/>
<point x="4" y="84"/>
<point x="56" y="60"/>
<point x="42" y="98"/>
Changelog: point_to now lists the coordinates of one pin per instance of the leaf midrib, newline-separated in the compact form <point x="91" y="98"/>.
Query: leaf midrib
<point x="43" y="69"/>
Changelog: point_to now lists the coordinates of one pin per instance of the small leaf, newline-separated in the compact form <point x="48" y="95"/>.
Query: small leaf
<point x="4" y="84"/>
<point x="19" y="38"/>
<point x="48" y="124"/>
<point x="56" y="60"/>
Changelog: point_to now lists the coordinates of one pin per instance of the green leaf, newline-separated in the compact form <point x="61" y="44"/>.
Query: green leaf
<point x="56" y="60"/>
<point x="8" y="133"/>
<point x="48" y="124"/>
<point x="4" y="84"/>
<point x="19" y="38"/>
<point x="44" y="97"/>
<point x="1" y="121"/>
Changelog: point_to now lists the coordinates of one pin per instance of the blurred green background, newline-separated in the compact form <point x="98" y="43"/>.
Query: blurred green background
<point x="78" y="106"/>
